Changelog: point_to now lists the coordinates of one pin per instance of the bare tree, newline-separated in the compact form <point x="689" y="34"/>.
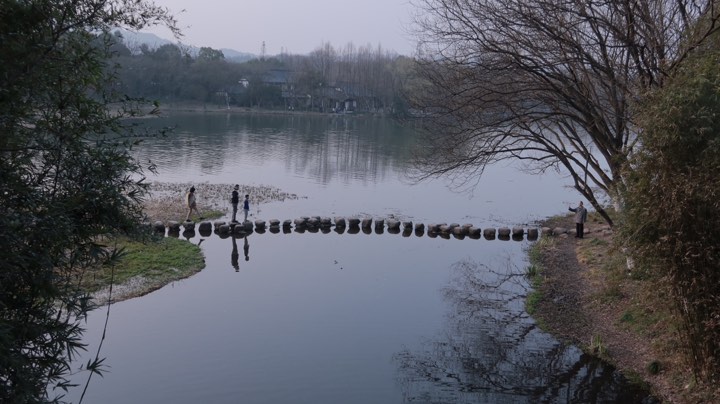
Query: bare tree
<point x="548" y="82"/>
<point x="323" y="60"/>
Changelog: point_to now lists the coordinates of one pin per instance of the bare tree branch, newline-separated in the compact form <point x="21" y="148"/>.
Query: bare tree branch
<point x="549" y="82"/>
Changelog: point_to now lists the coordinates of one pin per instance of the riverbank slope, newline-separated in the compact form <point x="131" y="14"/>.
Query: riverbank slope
<point x="588" y="298"/>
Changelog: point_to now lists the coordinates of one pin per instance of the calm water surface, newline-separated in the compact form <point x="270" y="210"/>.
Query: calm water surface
<point x="342" y="318"/>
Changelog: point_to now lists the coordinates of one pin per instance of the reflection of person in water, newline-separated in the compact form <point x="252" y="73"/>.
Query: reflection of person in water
<point x="246" y="206"/>
<point x="246" y="249"/>
<point x="234" y="255"/>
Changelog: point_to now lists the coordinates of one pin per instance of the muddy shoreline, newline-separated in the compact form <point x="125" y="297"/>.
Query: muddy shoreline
<point x="577" y="308"/>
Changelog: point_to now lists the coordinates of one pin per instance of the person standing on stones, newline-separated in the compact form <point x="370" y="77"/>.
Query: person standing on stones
<point x="246" y="206"/>
<point x="191" y="203"/>
<point x="580" y="219"/>
<point x="235" y="199"/>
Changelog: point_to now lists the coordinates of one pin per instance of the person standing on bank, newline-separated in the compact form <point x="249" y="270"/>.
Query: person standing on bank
<point x="191" y="203"/>
<point x="246" y="206"/>
<point x="580" y="219"/>
<point x="235" y="199"/>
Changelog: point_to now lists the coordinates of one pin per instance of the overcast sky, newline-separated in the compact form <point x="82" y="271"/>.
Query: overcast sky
<point x="293" y="26"/>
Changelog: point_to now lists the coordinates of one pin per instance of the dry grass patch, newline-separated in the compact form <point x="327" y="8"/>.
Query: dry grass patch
<point x="639" y="318"/>
<point x="589" y="297"/>
<point x="166" y="201"/>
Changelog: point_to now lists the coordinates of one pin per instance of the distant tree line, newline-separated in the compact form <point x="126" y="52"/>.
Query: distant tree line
<point x="363" y="79"/>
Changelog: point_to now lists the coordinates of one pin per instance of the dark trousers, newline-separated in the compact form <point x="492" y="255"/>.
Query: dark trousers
<point x="235" y="206"/>
<point x="579" y="230"/>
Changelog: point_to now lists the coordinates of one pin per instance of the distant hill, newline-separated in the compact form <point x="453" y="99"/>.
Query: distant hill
<point x="232" y="55"/>
<point x="134" y="40"/>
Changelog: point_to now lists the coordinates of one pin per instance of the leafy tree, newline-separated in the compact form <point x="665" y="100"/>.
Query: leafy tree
<point x="168" y="53"/>
<point x="211" y="77"/>
<point x="209" y="54"/>
<point x="309" y="82"/>
<point x="262" y="95"/>
<point x="68" y="180"/>
<point x="672" y="221"/>
<point x="546" y="82"/>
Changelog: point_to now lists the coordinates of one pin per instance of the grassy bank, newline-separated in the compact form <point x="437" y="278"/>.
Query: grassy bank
<point x="585" y="294"/>
<point x="144" y="267"/>
<point x="535" y="273"/>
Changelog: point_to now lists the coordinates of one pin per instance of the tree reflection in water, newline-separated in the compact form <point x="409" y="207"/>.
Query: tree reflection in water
<point x="492" y="351"/>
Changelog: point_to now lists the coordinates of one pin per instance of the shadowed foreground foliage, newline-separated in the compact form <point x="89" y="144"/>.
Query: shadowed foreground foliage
<point x="673" y="206"/>
<point x="68" y="179"/>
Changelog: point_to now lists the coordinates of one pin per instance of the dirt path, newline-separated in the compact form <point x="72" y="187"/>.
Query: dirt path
<point x="578" y="307"/>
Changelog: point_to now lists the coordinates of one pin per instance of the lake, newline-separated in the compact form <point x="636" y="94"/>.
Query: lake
<point x="342" y="318"/>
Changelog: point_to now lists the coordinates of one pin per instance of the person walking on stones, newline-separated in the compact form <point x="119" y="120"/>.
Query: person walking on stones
<point x="235" y="199"/>
<point x="246" y="206"/>
<point x="580" y="219"/>
<point x="191" y="203"/>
